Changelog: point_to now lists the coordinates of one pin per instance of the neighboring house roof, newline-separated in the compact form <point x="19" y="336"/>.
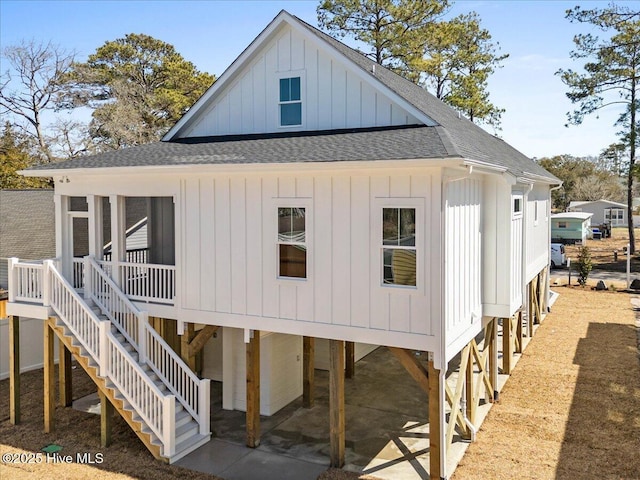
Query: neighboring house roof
<point x="27" y="224"/>
<point x="588" y="202"/>
<point x="448" y="134"/>
<point x="573" y="215"/>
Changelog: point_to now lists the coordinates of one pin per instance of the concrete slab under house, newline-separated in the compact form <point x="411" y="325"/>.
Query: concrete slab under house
<point x="309" y="206"/>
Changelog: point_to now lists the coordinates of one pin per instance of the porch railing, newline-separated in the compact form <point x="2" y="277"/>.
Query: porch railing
<point x="114" y="362"/>
<point x="25" y="282"/>
<point x="148" y="282"/>
<point x="189" y="390"/>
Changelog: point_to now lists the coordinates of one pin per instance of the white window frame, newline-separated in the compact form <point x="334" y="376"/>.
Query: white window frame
<point x="418" y="204"/>
<point x="292" y="74"/>
<point x="305" y="203"/>
<point x="517" y="196"/>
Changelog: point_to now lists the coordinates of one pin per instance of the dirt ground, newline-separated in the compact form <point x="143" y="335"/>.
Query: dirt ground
<point x="570" y="410"/>
<point x="602" y="251"/>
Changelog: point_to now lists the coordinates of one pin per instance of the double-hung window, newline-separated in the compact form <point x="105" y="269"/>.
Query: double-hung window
<point x="290" y="102"/>
<point x="399" y="246"/>
<point x="292" y="242"/>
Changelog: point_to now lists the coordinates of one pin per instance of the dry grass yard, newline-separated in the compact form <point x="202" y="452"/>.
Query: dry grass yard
<point x="602" y="251"/>
<point x="571" y="410"/>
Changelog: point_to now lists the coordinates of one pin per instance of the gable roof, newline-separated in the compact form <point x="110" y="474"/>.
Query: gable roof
<point x="446" y="134"/>
<point x="573" y="215"/>
<point x="575" y="204"/>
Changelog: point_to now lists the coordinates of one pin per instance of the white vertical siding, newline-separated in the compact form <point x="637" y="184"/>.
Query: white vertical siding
<point x="230" y="262"/>
<point x="517" y="230"/>
<point x="332" y="95"/>
<point x="463" y="253"/>
<point x="537" y="230"/>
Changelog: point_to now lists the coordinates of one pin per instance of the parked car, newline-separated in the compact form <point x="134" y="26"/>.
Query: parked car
<point x="557" y="255"/>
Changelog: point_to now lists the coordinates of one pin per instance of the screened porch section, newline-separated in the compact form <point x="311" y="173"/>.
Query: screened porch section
<point x="134" y="242"/>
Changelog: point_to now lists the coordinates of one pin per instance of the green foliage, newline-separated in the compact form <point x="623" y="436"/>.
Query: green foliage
<point x="610" y="76"/>
<point x="454" y="58"/>
<point x="583" y="179"/>
<point x="584" y="265"/>
<point x="386" y="25"/>
<point x="14" y="156"/>
<point x="138" y="86"/>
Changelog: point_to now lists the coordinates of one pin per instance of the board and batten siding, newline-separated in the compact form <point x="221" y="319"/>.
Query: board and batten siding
<point x="537" y="230"/>
<point x="229" y="255"/>
<point x="463" y="262"/>
<point x="332" y="95"/>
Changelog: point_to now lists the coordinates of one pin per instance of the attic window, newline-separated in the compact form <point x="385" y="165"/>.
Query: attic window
<point x="290" y="102"/>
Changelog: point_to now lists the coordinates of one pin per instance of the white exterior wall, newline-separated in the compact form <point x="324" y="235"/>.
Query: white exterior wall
<point x="228" y="256"/>
<point x="598" y="209"/>
<point x="333" y="97"/>
<point x="537" y="230"/>
<point x="498" y="277"/>
<point x="463" y="262"/>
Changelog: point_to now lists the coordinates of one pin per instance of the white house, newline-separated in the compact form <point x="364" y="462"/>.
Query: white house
<point x="604" y="211"/>
<point x="310" y="193"/>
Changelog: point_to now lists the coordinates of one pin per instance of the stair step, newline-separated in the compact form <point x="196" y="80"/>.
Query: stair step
<point x="189" y="445"/>
<point x="182" y="417"/>
<point x="187" y="430"/>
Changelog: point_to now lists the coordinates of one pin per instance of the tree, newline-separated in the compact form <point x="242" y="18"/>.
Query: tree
<point x="138" y="86"/>
<point x="32" y="85"/>
<point x="611" y="77"/>
<point x="385" y="25"/>
<point x="14" y="156"/>
<point x="455" y="58"/>
<point x="585" y="265"/>
<point x="569" y="169"/>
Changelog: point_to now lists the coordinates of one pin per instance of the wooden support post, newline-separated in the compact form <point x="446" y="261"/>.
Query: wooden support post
<point x="493" y="357"/>
<point x="65" y="382"/>
<point x="507" y="346"/>
<point x="519" y="333"/>
<point x="308" y="372"/>
<point x="253" y="390"/>
<point x="199" y="340"/>
<point x="435" y="414"/>
<point x="14" y="369"/>
<point x="106" y="419"/>
<point x="350" y="359"/>
<point x="185" y="353"/>
<point x="336" y="403"/>
<point x="412" y="366"/>
<point x="49" y="400"/>
<point x="470" y="398"/>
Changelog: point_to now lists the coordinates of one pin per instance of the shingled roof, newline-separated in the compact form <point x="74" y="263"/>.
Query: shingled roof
<point x="453" y="136"/>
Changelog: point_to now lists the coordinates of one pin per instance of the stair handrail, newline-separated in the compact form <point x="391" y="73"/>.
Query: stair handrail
<point x="191" y="391"/>
<point x="155" y="409"/>
<point x="112" y="301"/>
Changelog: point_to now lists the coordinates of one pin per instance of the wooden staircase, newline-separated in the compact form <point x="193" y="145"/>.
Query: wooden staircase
<point x="187" y="436"/>
<point x="158" y="395"/>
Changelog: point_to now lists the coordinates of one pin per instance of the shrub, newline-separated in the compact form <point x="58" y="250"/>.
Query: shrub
<point x="584" y="265"/>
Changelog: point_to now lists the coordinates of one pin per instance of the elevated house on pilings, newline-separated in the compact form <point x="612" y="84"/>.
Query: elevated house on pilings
<point x="309" y="194"/>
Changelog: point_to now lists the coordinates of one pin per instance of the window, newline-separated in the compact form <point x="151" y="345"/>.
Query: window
<point x="292" y="242"/>
<point x="399" y="246"/>
<point x="290" y="102"/>
<point x="562" y="224"/>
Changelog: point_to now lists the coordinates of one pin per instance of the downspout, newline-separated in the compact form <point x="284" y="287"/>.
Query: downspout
<point x="443" y="342"/>
<point x="548" y="285"/>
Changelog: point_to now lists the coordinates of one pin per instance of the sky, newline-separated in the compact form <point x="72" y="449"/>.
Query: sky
<point x="211" y="34"/>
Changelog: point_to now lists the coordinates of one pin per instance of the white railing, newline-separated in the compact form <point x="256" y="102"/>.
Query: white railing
<point x="115" y="305"/>
<point x="78" y="272"/>
<point x="193" y="393"/>
<point x="25" y="281"/>
<point x="148" y="282"/>
<point x="47" y="286"/>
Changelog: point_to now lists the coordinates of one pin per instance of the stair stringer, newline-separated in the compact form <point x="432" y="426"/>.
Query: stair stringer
<point x="148" y="439"/>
